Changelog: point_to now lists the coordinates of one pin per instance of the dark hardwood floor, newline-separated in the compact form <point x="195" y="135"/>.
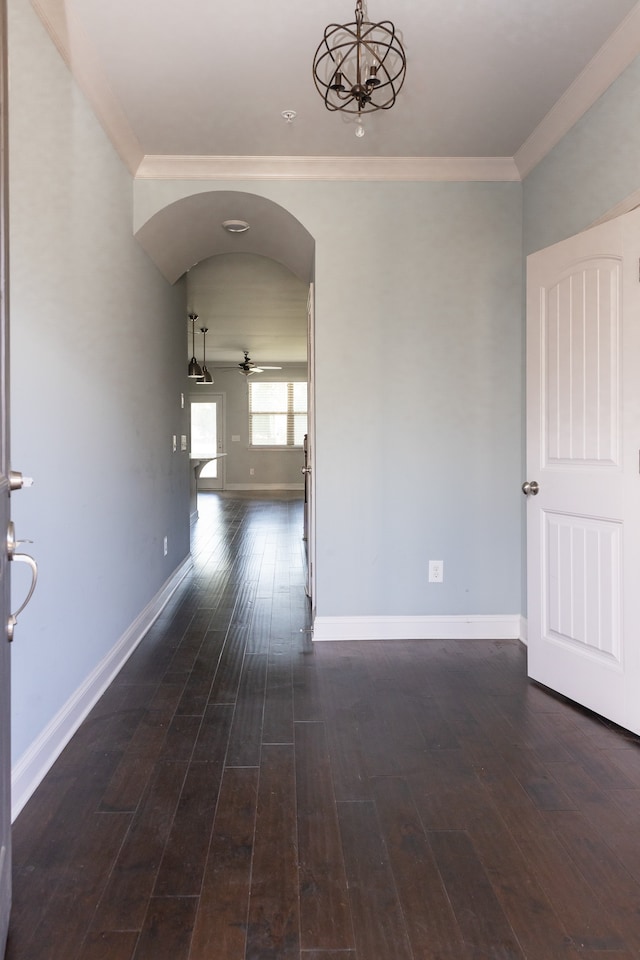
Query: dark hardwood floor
<point x="241" y="794"/>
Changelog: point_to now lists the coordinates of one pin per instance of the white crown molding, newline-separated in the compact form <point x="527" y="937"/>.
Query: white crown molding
<point x="76" y="50"/>
<point x="612" y="58"/>
<point x="479" y="627"/>
<point x="451" y="169"/>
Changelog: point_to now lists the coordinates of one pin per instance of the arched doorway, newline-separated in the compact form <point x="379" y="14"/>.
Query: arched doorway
<point x="191" y="230"/>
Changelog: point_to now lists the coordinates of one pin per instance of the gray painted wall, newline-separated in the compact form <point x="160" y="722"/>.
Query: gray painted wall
<point x="593" y="168"/>
<point x="418" y="448"/>
<point x="95" y="394"/>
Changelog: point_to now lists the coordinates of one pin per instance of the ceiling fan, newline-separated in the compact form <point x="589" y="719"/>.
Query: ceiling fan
<point x="247" y="366"/>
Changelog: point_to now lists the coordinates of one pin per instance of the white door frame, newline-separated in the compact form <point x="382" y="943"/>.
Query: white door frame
<point x="311" y="450"/>
<point x="5" y="567"/>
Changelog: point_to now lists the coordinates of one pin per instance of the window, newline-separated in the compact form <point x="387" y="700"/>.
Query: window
<point x="277" y="414"/>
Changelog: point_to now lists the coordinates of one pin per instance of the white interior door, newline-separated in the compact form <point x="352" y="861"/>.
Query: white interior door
<point x="207" y="439"/>
<point x="5" y="677"/>
<point x="583" y="445"/>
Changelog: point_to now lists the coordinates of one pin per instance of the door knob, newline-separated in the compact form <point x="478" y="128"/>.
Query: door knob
<point x="305" y="470"/>
<point x="530" y="488"/>
<point x="17" y="481"/>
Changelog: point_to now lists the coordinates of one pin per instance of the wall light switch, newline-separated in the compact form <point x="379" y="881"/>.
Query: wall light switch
<point x="183" y="442"/>
<point x="175" y="443"/>
<point x="235" y="437"/>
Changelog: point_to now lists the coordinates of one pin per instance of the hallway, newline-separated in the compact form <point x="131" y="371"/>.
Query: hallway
<point x="241" y="794"/>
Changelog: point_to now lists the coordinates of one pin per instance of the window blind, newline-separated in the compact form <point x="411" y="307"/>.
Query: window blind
<point x="277" y="413"/>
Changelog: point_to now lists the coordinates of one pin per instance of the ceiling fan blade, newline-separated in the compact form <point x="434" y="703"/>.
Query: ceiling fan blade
<point x="270" y="368"/>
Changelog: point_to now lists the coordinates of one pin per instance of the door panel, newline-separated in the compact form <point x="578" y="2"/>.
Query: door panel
<point x="583" y="437"/>
<point x="581" y="560"/>
<point x="581" y="333"/>
<point x="5" y="681"/>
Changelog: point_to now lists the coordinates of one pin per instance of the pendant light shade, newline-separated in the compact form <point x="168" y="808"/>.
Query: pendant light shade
<point x="206" y="376"/>
<point x="195" y="370"/>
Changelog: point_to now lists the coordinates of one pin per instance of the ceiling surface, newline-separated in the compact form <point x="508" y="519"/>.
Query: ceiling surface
<point x="247" y="302"/>
<point x="200" y="78"/>
<point x="197" y="89"/>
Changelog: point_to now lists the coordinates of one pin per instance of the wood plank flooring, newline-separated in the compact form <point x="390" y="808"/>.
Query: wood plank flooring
<point x="240" y="793"/>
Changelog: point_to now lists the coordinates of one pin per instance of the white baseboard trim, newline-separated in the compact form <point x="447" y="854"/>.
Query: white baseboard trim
<point x="524" y="631"/>
<point x="264" y="486"/>
<point x="30" y="770"/>
<point x="418" y="628"/>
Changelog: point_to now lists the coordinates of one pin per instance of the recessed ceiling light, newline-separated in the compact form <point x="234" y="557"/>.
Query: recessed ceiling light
<point x="235" y="226"/>
<point x="289" y="115"/>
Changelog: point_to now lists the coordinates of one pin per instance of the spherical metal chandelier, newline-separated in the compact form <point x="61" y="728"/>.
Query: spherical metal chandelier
<point x="360" y="66"/>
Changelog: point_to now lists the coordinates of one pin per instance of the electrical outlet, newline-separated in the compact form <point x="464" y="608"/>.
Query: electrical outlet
<point x="165" y="546"/>
<point x="183" y="441"/>
<point x="251" y="471"/>
<point x="436" y="571"/>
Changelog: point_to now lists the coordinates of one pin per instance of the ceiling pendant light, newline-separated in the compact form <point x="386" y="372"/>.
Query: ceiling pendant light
<point x="195" y="370"/>
<point x="206" y="376"/>
<point x="359" y="67"/>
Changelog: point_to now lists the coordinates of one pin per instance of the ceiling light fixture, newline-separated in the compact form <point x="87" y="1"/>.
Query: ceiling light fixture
<point x="206" y="376"/>
<point x="359" y="67"/>
<point x="235" y="226"/>
<point x="195" y="370"/>
<point x="247" y="367"/>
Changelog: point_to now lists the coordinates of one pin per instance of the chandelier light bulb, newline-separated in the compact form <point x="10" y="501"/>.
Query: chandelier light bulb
<point x="359" y="130"/>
